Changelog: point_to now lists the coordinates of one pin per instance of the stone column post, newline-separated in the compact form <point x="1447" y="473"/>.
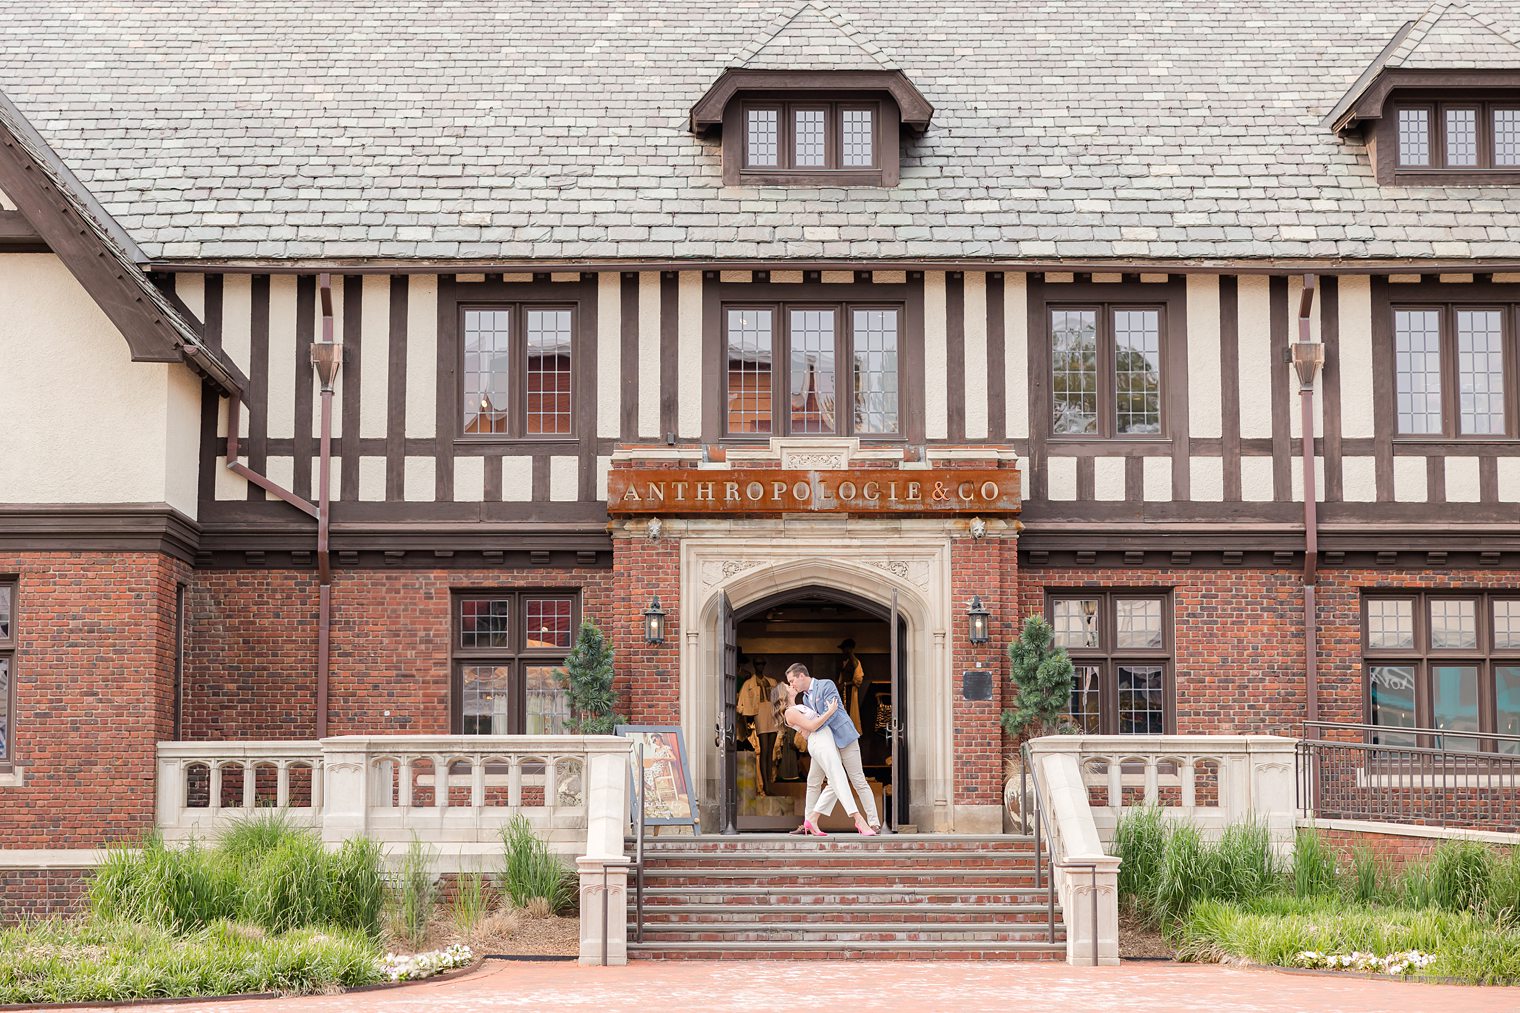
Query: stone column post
<point x="603" y="870"/>
<point x="345" y="788"/>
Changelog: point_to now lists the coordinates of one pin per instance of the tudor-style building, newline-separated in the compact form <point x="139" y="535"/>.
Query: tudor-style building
<point x="347" y="364"/>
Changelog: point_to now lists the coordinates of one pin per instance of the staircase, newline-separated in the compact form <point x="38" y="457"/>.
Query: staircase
<point x="843" y="897"/>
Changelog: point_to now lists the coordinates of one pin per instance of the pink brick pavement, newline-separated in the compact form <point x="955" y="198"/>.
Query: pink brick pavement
<point x="693" y="986"/>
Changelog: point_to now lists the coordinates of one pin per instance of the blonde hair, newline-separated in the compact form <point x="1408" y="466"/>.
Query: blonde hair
<point x="779" y="702"/>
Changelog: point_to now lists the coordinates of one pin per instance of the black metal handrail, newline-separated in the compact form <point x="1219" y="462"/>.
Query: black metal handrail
<point x="1043" y="877"/>
<point x="1345" y="772"/>
<point x="638" y="844"/>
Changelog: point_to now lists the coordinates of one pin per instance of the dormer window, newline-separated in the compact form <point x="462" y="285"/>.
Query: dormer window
<point x="1458" y="136"/>
<point x="811" y="136"/>
<point x="816" y="128"/>
<point x="1440" y="105"/>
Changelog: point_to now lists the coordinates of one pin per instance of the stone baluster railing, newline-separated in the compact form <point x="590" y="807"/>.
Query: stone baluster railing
<point x="455" y="793"/>
<point x="1087" y="781"/>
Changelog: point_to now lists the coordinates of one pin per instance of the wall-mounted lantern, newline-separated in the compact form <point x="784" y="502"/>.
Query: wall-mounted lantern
<point x="976" y="620"/>
<point x="654" y="622"/>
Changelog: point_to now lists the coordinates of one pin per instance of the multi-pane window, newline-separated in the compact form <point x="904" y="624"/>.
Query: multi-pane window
<point x="509" y="654"/>
<point x="784" y="376"/>
<point x="7" y="673"/>
<point x="1120" y="645"/>
<point x="1445" y="661"/>
<point x="516" y="375"/>
<point x="1467" y="135"/>
<point x="1106" y="370"/>
<point x="1451" y="369"/>
<point x="810" y="136"/>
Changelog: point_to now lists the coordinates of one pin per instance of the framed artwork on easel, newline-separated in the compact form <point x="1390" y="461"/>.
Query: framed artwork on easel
<point x="668" y="796"/>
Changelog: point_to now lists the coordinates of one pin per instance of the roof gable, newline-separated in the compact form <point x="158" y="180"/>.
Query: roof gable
<point x="60" y="212"/>
<point x="1450" y="36"/>
<point x="812" y="36"/>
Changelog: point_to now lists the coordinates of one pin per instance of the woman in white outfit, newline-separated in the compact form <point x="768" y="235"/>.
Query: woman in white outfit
<point x="823" y="749"/>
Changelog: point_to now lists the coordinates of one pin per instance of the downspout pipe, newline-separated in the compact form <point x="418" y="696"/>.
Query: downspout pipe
<point x="1307" y="357"/>
<point x="324" y="506"/>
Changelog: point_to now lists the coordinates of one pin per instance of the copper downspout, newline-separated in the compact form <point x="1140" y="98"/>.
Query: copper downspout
<point x="1307" y="358"/>
<point x="324" y="484"/>
<point x="321" y="511"/>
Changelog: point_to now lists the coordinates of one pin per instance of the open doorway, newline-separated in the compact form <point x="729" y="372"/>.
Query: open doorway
<point x="839" y="636"/>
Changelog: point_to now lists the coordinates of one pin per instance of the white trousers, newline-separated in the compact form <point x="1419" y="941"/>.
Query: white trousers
<point x="829" y="771"/>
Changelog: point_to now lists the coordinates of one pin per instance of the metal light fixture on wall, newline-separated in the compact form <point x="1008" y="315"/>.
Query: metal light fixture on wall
<point x="977" y="620"/>
<point x="654" y="622"/>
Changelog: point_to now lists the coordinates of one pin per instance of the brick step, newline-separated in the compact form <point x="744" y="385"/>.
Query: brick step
<point x="873" y="915"/>
<point x="736" y="950"/>
<point x="791" y="935"/>
<point x="949" y="860"/>
<point x="854" y="843"/>
<point x="842" y="894"/>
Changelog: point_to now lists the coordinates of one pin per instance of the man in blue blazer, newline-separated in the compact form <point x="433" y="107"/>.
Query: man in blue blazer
<point x="818" y="694"/>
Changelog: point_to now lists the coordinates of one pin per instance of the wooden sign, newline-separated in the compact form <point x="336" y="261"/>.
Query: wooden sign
<point x="773" y="491"/>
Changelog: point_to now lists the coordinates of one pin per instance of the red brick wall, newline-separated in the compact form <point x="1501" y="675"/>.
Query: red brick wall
<point x="40" y="893"/>
<point x="1397" y="850"/>
<point x="649" y="676"/>
<point x="986" y="567"/>
<point x="251" y="672"/>
<point x="1238" y="656"/>
<point x="94" y="694"/>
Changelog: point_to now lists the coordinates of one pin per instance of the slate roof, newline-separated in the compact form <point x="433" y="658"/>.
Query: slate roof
<point x="455" y="129"/>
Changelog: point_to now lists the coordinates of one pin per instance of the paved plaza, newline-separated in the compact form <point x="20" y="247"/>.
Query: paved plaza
<point x="692" y="986"/>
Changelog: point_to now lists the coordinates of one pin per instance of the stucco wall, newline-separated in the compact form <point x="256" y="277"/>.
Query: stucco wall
<point x="80" y="422"/>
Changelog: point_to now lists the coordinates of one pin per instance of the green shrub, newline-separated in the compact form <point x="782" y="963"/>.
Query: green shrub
<point x="473" y="899"/>
<point x="1417" y="887"/>
<point x="1187" y="873"/>
<point x="1313" y="865"/>
<point x="356" y="886"/>
<point x="531" y="870"/>
<point x="1244" y="863"/>
<point x="1503" y="902"/>
<point x="179" y="889"/>
<point x="415" y="891"/>
<point x="264" y="871"/>
<point x="1139" y="839"/>
<point x="1459" y="875"/>
<point x="108" y="960"/>
<point x="287" y="887"/>
<point x="1368" y="875"/>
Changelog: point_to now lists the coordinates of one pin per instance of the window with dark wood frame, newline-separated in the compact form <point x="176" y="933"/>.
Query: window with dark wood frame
<point x="1106" y="369"/>
<point x="1444" y="660"/>
<point x="516" y="370"/>
<point x="812" y="139"/>
<point x="783" y="376"/>
<point x="509" y="651"/>
<point x="1454" y="367"/>
<point x="1460" y="135"/>
<point x="7" y="674"/>
<point x="1120" y="643"/>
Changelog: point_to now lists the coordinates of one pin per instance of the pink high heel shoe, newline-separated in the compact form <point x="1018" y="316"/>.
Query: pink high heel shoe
<point x="810" y="829"/>
<point x="863" y="828"/>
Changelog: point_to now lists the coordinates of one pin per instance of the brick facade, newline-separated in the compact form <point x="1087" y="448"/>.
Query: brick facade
<point x="94" y="694"/>
<point x="251" y="669"/>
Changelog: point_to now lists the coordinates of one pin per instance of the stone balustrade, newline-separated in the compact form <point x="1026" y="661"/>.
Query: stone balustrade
<point x="1086" y="781"/>
<point x="455" y="793"/>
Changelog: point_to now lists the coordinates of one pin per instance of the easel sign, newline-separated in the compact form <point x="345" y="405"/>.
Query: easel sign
<point x="668" y="796"/>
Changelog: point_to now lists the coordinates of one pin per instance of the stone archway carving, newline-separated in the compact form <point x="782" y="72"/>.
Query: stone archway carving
<point x="750" y="565"/>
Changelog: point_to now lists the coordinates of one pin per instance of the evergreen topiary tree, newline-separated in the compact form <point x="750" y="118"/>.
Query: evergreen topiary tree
<point x="1041" y="674"/>
<point x="588" y="677"/>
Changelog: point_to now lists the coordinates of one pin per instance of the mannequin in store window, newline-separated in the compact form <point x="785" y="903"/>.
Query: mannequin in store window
<point x="850" y="677"/>
<point x="754" y="704"/>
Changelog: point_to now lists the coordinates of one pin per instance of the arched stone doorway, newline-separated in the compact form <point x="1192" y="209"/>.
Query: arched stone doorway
<point x="820" y="556"/>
